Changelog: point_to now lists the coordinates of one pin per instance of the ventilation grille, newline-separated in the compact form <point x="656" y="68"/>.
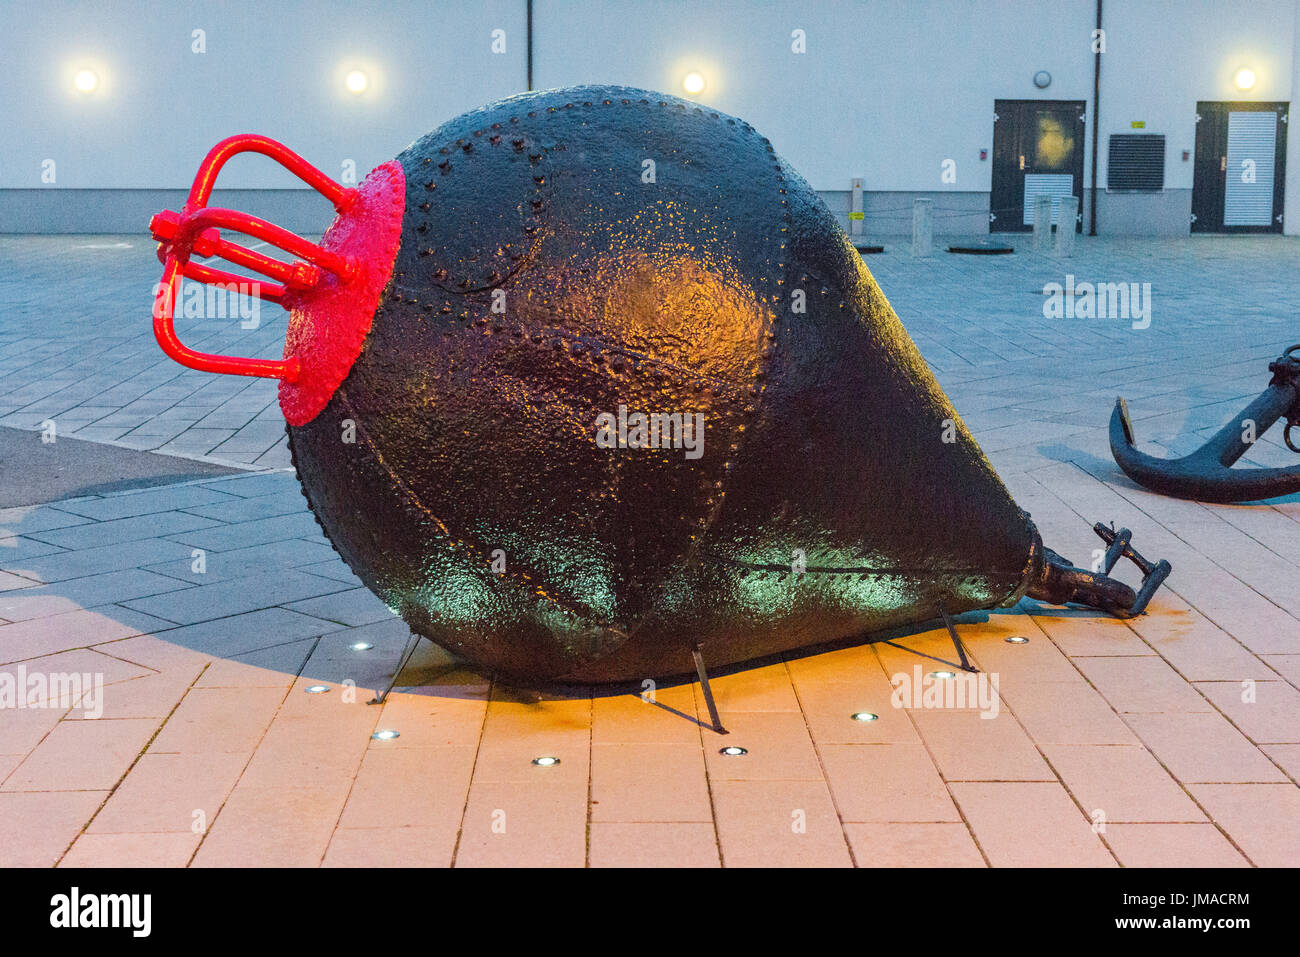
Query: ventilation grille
<point x="1137" y="162"/>
<point x="1055" y="185"/>
<point x="1248" y="193"/>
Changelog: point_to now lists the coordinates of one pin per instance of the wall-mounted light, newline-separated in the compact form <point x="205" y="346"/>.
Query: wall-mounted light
<point x="85" y="81"/>
<point x="1042" y="79"/>
<point x="1245" y="78"/>
<point x="693" y="83"/>
<point x="356" y="82"/>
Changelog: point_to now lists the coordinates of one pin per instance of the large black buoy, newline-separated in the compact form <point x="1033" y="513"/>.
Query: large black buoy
<point x="594" y="377"/>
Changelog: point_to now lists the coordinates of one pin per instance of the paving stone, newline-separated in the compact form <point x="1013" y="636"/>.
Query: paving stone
<point x="1120" y="783"/>
<point x="438" y="717"/>
<point x="670" y="718"/>
<point x="217" y="537"/>
<point x="240" y="509"/>
<point x="152" y="695"/>
<point x="170" y="793"/>
<point x="150" y="501"/>
<point x="23" y="729"/>
<point x="1262" y="819"/>
<point x="37" y="827"/>
<point x="904" y="844"/>
<point x="312" y="752"/>
<point x="779" y="823"/>
<point x="755" y="689"/>
<point x="74" y="629"/>
<point x="1172" y="845"/>
<point x="252" y="486"/>
<point x="93" y="561"/>
<point x="1066" y="713"/>
<point x="1286" y="756"/>
<point x="540" y="826"/>
<point x="80" y="593"/>
<point x="1029" y="824"/>
<point x="648" y="844"/>
<point x="218" y="721"/>
<point x="410" y="787"/>
<point x="273" y="826"/>
<point x="236" y="635"/>
<point x="119" y="531"/>
<point x="357" y="606"/>
<point x="392" y="846"/>
<point x="233" y="597"/>
<point x="269" y="559"/>
<point x="778" y="743"/>
<point x="1270" y="713"/>
<point x="9" y="582"/>
<point x="83" y="755"/>
<point x="18" y="553"/>
<point x="967" y="746"/>
<point x="886" y="782"/>
<point x="649" y="782"/>
<point x="131" y="850"/>
<point x="1143" y="684"/>
<point x="1202" y="748"/>
<point x="37" y="518"/>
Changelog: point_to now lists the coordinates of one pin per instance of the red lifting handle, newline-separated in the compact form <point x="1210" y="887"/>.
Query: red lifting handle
<point x="196" y="230"/>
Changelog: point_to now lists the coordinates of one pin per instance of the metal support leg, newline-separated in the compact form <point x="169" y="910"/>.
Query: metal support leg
<point x="956" y="640"/>
<point x="708" y="692"/>
<point x="409" y="650"/>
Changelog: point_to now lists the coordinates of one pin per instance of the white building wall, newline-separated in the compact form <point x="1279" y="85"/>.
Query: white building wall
<point x="887" y="90"/>
<point x="272" y="66"/>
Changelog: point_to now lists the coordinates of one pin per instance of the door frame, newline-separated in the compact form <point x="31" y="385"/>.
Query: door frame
<point x="1210" y="178"/>
<point x="1006" y="200"/>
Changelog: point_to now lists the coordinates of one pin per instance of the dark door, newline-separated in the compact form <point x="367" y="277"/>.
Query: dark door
<point x="1240" y="171"/>
<point x="1037" y="148"/>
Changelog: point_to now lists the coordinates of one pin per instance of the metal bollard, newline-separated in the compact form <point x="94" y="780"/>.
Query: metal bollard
<point x="856" y="215"/>
<point x="1065" y="221"/>
<point x="1042" y="222"/>
<point x="922" y="227"/>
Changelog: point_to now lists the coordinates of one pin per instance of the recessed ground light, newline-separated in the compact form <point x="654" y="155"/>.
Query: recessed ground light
<point x="732" y="751"/>
<point x="546" y="762"/>
<point x="361" y="646"/>
<point x="1017" y="640"/>
<point x="316" y="689"/>
<point x="864" y="716"/>
<point x="943" y="675"/>
<point x="386" y="735"/>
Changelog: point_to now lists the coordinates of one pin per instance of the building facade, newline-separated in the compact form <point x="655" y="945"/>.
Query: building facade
<point x="979" y="105"/>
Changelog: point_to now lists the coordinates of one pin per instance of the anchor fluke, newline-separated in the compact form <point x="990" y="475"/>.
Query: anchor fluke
<point x="1207" y="474"/>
